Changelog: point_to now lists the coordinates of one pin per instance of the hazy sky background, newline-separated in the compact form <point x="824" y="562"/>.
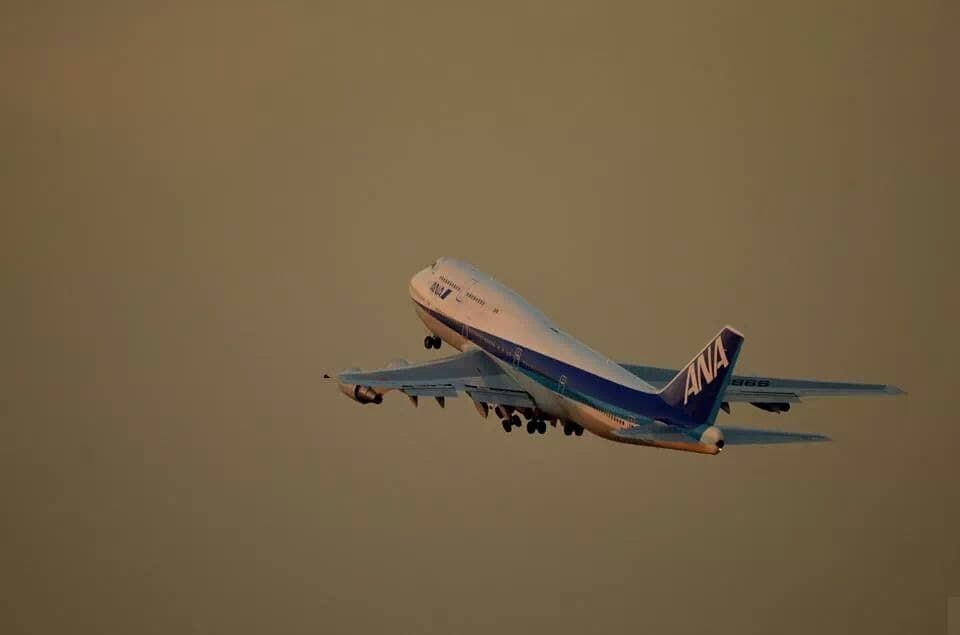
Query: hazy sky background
<point x="206" y="206"/>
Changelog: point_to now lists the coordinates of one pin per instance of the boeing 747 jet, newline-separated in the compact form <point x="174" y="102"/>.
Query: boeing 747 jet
<point x="513" y="360"/>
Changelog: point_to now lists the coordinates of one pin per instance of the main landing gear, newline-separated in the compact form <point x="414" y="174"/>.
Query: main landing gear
<point x="432" y="341"/>
<point x="510" y="423"/>
<point x="536" y="425"/>
<point x="570" y="427"/>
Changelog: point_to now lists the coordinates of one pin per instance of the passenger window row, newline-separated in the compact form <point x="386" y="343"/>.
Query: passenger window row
<point x="449" y="283"/>
<point x="476" y="299"/>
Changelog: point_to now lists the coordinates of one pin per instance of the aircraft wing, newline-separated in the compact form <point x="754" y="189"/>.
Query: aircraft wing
<point x="472" y="372"/>
<point x="760" y="389"/>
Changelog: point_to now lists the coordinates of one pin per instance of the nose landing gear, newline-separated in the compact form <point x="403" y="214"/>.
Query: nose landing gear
<point x="432" y="341"/>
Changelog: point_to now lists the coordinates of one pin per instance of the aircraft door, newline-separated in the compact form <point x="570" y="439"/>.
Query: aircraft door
<point x="464" y="289"/>
<point x="466" y="307"/>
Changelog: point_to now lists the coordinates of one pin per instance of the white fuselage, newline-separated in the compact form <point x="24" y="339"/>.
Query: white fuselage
<point x="456" y="302"/>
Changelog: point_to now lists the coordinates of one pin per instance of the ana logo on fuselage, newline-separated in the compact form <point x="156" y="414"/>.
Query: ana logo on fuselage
<point x="705" y="368"/>
<point x="440" y="290"/>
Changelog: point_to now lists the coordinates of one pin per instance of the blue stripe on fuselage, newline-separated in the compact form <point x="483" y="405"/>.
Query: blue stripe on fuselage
<point x="581" y="385"/>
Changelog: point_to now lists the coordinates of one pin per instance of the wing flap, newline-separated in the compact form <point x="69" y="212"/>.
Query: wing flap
<point x="429" y="391"/>
<point x="515" y="398"/>
<point x="756" y="396"/>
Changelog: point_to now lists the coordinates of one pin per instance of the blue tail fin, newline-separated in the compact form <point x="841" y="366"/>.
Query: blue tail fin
<point x="697" y="390"/>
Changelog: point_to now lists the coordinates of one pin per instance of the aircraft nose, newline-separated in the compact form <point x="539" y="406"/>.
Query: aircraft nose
<point x="417" y="284"/>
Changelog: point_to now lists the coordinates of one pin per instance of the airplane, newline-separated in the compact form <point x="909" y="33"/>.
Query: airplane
<point x="513" y="360"/>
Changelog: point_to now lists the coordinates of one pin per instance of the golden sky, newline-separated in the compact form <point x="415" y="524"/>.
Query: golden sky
<point x="206" y="207"/>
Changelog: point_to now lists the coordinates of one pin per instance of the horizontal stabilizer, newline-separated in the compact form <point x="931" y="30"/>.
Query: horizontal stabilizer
<point x="752" y="436"/>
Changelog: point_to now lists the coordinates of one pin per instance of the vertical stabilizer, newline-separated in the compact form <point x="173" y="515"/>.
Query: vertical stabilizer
<point x="697" y="390"/>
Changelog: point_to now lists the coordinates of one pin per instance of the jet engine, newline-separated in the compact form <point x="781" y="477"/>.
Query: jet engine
<point x="712" y="436"/>
<point x="360" y="394"/>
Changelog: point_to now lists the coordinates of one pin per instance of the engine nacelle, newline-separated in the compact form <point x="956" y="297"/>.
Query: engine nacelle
<point x="712" y="436"/>
<point x="361" y="394"/>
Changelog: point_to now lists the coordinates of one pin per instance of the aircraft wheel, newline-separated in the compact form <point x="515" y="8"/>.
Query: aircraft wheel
<point x="542" y="426"/>
<point x="567" y="431"/>
<point x="428" y="342"/>
<point x="437" y="342"/>
<point x="507" y="427"/>
<point x="578" y="430"/>
<point x="531" y="427"/>
<point x="515" y="421"/>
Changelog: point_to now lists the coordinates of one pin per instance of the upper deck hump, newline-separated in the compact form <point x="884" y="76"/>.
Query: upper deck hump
<point x="517" y="320"/>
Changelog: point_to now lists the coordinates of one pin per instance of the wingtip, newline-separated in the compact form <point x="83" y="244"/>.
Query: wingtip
<point x="894" y="390"/>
